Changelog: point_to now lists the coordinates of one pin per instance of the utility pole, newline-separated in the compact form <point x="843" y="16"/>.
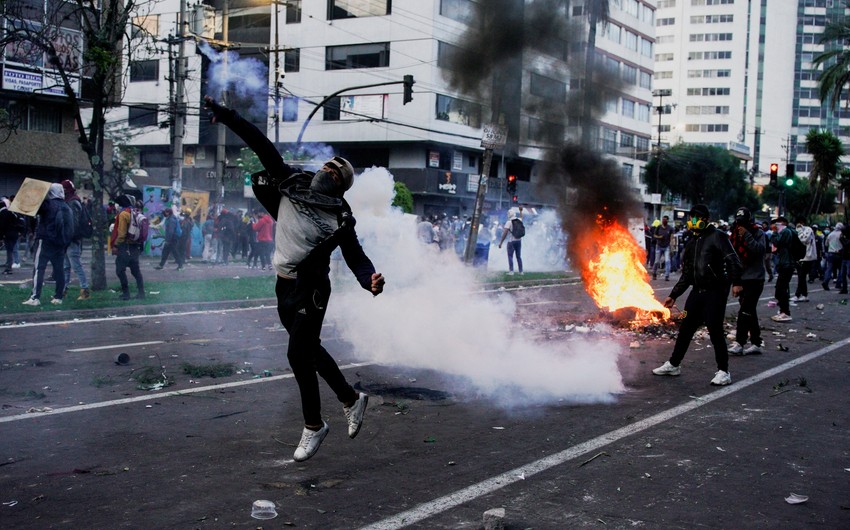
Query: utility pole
<point x="220" y="153"/>
<point x="276" y="73"/>
<point x="660" y="110"/>
<point x="179" y="115"/>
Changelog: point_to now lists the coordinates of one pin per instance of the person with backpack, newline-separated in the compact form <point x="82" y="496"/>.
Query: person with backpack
<point x="750" y="243"/>
<point x="516" y="229"/>
<point x="782" y="240"/>
<point x="52" y="237"/>
<point x="128" y="237"/>
<point x="804" y="266"/>
<point x="313" y="221"/>
<point x="82" y="229"/>
<point x="173" y="233"/>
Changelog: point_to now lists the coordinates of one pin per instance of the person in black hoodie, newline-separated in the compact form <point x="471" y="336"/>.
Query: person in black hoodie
<point x="313" y="220"/>
<point x="53" y="235"/>
<point x="750" y="243"/>
<point x="710" y="264"/>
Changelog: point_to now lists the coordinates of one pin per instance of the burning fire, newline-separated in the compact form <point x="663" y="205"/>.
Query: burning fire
<point x="613" y="272"/>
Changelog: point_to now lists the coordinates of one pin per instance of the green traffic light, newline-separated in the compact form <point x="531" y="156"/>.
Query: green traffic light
<point x="789" y="182"/>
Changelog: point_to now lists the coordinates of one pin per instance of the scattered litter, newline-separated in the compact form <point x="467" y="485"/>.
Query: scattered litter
<point x="267" y="373"/>
<point x="148" y="406"/>
<point x="843" y="301"/>
<point x="10" y="503"/>
<point x="122" y="358"/>
<point x="696" y="398"/>
<point x="430" y="440"/>
<point x="583" y="329"/>
<point x="39" y="409"/>
<point x="634" y="345"/>
<point x="819" y="307"/>
<point x="647" y="475"/>
<point x="263" y="510"/>
<point x="236" y="278"/>
<point x="451" y="463"/>
<point x="771" y="303"/>
<point x="570" y="327"/>
<point x="412" y="379"/>
<point x="796" y="499"/>
<point x="594" y="457"/>
<point x="780" y="347"/>
<point x="499" y="428"/>
<point x="521" y="476"/>
<point x="721" y="449"/>
<point x="648" y="445"/>
<point x="153" y="292"/>
<point x="792" y="331"/>
<point x="778" y="334"/>
<point x="811" y="336"/>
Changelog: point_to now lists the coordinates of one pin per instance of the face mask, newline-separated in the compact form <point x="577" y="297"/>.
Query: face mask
<point x="696" y="224"/>
<point x="323" y="182"/>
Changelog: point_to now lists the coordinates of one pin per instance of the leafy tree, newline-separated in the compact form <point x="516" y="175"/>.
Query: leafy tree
<point x="796" y="199"/>
<point x="826" y="150"/>
<point x="102" y="27"/>
<point x="835" y="59"/>
<point x="704" y="174"/>
<point x="403" y="199"/>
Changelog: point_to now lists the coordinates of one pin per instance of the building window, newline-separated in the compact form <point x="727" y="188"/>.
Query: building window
<point x="548" y="88"/>
<point x="663" y="4"/>
<point x="628" y="108"/>
<point x="460" y="10"/>
<point x="357" y="56"/>
<point x="631" y="41"/>
<point x="142" y="116"/>
<point x="642" y="148"/>
<point x="609" y="140"/>
<point x="643" y="112"/>
<point x="293" y="11"/>
<point x="44" y="118"/>
<point x="662" y="57"/>
<point x="645" y="79"/>
<point x="446" y="54"/>
<point x="545" y="131"/>
<point x="338" y="9"/>
<point x="330" y="110"/>
<point x="628" y="171"/>
<point x="645" y="47"/>
<point x="144" y="71"/>
<point x="292" y="60"/>
<point x="289" y="110"/>
<point x="455" y="110"/>
<point x="629" y="74"/>
<point x="614" y="32"/>
<point x="670" y="21"/>
<point x="143" y="27"/>
<point x="627" y="140"/>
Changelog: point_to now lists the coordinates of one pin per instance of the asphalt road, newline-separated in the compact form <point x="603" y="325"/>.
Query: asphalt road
<point x="84" y="447"/>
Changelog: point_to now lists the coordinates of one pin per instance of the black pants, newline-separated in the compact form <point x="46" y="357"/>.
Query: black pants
<point x="128" y="256"/>
<point x="704" y="307"/>
<point x="48" y="253"/>
<point x="748" y="322"/>
<point x="803" y="268"/>
<point x="9" y="242"/>
<point x="173" y="248"/>
<point x="301" y="306"/>
<point x="783" y="288"/>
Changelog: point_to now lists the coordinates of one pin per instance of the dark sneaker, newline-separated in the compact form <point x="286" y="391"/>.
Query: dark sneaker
<point x="310" y="442"/>
<point x="354" y="414"/>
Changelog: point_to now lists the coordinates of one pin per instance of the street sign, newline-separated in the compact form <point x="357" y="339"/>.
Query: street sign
<point x="493" y="136"/>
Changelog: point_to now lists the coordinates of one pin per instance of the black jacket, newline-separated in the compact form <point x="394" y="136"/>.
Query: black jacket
<point x="709" y="263"/>
<point x="280" y="179"/>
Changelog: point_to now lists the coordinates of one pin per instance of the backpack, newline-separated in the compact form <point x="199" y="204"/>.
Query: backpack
<point x="797" y="248"/>
<point x="138" y="229"/>
<point x="517" y="228"/>
<point x="85" y="229"/>
<point x="178" y="230"/>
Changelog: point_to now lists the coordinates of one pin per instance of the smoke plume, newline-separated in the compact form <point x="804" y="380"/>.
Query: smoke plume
<point x="243" y="79"/>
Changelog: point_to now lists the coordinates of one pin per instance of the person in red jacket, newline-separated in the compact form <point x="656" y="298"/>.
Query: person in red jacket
<point x="264" y="230"/>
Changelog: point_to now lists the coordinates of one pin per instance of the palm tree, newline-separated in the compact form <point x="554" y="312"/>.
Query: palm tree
<point x="836" y="60"/>
<point x="826" y="150"/>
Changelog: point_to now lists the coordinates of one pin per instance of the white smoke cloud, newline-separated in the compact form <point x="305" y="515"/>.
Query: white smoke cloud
<point x="243" y="77"/>
<point x="430" y="317"/>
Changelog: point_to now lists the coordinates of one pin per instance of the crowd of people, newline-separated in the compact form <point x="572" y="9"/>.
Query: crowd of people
<point x="744" y="255"/>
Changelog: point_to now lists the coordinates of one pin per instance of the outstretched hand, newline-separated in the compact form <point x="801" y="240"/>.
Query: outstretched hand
<point x="215" y="109"/>
<point x="377" y="283"/>
<point x="668" y="302"/>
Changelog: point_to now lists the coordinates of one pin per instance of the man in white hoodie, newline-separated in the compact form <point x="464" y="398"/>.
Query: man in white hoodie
<point x="832" y="246"/>
<point x="807" y="236"/>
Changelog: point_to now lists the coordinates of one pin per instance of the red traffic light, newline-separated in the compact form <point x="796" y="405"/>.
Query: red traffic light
<point x="774" y="168"/>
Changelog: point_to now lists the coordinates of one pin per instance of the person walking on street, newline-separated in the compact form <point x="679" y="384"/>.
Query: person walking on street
<point x="9" y="231"/>
<point x="844" y="271"/>
<point x="516" y="229"/>
<point x="173" y="233"/>
<point x="75" y="249"/>
<point x="768" y="253"/>
<point x="313" y="220"/>
<point x="264" y="230"/>
<point x="804" y="266"/>
<point x="781" y="241"/>
<point x="125" y="249"/>
<point x="750" y="243"/>
<point x="663" y="236"/>
<point x="52" y="237"/>
<point x="709" y="266"/>
<point x="832" y="249"/>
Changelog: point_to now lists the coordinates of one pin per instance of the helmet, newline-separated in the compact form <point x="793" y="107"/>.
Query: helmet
<point x="345" y="170"/>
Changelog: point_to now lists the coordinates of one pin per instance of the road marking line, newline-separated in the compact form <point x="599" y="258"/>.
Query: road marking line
<point x="485" y="487"/>
<point x="112" y="346"/>
<point x="130" y="317"/>
<point x="148" y="397"/>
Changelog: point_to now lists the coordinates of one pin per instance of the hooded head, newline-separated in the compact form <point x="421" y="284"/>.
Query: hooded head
<point x="698" y="217"/>
<point x="125" y="201"/>
<point x="839" y="226"/>
<point x="56" y="192"/>
<point x="335" y="177"/>
<point x="69" y="188"/>
<point x="743" y="216"/>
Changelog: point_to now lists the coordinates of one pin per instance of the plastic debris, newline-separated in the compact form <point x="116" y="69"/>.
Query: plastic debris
<point x="10" y="503"/>
<point x="499" y="428"/>
<point x="819" y="307"/>
<point x="796" y="499"/>
<point x="634" y="345"/>
<point x="811" y="336"/>
<point x="262" y="509"/>
<point x="32" y="410"/>
<point x="721" y="449"/>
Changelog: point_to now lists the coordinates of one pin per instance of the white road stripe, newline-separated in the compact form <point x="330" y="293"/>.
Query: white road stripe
<point x="441" y="504"/>
<point x="159" y="395"/>
<point x="113" y="346"/>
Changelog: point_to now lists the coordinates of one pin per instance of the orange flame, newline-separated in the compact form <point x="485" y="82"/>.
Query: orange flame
<point x="613" y="272"/>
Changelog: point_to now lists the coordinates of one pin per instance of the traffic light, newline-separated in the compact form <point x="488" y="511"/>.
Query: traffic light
<point x="774" y="174"/>
<point x="514" y="199"/>
<point x="511" y="185"/>
<point x="789" y="175"/>
<point x="408" y="89"/>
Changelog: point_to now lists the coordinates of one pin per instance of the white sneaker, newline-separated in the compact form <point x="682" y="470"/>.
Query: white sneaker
<point x="667" y="369"/>
<point x="721" y="378"/>
<point x="354" y="414"/>
<point x="56" y="301"/>
<point x="802" y="299"/>
<point x="752" y="349"/>
<point x="16" y="265"/>
<point x="795" y="298"/>
<point x="781" y="317"/>
<point x="310" y="442"/>
<point x="32" y="301"/>
<point x="736" y="349"/>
